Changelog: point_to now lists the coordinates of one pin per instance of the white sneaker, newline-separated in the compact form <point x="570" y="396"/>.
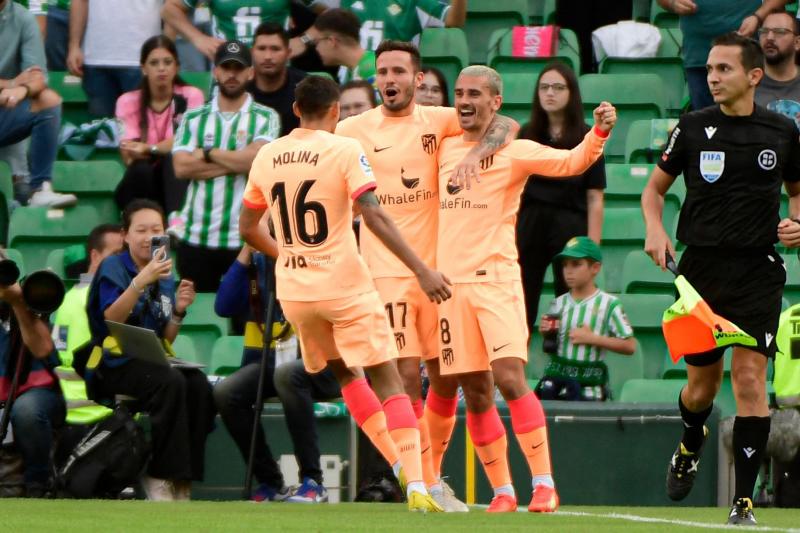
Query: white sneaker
<point x="47" y="197"/>
<point x="158" y="490"/>
<point x="448" y="501"/>
<point x="183" y="490"/>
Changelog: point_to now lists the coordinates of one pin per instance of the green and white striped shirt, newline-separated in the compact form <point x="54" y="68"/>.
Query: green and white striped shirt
<point x="211" y="208"/>
<point x="603" y="314"/>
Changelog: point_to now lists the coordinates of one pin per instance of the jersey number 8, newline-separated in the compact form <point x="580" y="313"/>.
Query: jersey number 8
<point x="308" y="219"/>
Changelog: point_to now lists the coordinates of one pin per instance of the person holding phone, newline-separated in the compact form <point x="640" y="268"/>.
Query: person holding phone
<point x="136" y="287"/>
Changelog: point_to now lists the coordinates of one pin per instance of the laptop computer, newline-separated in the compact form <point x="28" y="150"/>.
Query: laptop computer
<point x="144" y="344"/>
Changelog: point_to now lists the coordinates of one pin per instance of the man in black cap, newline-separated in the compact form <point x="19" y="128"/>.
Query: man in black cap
<point x="214" y="148"/>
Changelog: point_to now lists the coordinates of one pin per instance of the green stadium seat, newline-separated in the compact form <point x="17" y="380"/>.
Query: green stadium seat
<point x="641" y="10"/>
<point x="791" y="291"/>
<point x="678" y="370"/>
<point x="641" y="276"/>
<point x="74" y="102"/>
<point x="661" y="17"/>
<point x="646" y="139"/>
<point x="501" y="59"/>
<point x="203" y="325"/>
<point x="226" y="358"/>
<point x="183" y="346"/>
<point x="623" y="232"/>
<point x="55" y="262"/>
<point x="36" y="231"/>
<point x="202" y="80"/>
<point x="93" y="182"/>
<point x="621" y="368"/>
<point x="541" y="12"/>
<point x="445" y="49"/>
<point x="16" y="256"/>
<point x="517" y="96"/>
<point x="644" y="312"/>
<point x="651" y="391"/>
<point x="625" y="183"/>
<point x="636" y="97"/>
<point x="486" y="16"/>
<point x="668" y="65"/>
<point x="6" y="196"/>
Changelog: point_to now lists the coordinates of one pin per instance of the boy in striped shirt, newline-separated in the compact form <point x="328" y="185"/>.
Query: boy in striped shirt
<point x="591" y="322"/>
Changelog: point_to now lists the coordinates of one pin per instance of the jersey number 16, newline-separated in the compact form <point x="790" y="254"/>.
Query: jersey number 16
<point x="307" y="220"/>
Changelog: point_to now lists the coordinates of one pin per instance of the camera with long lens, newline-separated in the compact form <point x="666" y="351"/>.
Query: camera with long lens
<point x="42" y="290"/>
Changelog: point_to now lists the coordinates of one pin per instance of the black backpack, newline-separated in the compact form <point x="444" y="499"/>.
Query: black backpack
<point x="108" y="459"/>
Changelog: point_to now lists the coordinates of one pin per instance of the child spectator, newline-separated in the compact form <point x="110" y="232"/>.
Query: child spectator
<point x="590" y="322"/>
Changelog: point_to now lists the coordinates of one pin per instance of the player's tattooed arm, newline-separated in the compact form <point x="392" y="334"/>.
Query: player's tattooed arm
<point x="501" y="131"/>
<point x="433" y="283"/>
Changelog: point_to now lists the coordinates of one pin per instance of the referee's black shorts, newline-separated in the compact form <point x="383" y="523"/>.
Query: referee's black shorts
<point x="744" y="286"/>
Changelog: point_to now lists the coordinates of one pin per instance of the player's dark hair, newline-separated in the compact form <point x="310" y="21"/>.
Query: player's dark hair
<point x="97" y="237"/>
<point x="341" y="21"/>
<point x="751" y="54"/>
<point x="140" y="204"/>
<point x="538" y="128"/>
<point x="442" y="81"/>
<point x="315" y="95"/>
<point x="365" y="86"/>
<point x="271" y="28"/>
<point x="401" y="46"/>
<point x="153" y="43"/>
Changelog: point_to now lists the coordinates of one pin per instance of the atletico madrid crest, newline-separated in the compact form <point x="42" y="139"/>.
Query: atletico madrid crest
<point x="429" y="143"/>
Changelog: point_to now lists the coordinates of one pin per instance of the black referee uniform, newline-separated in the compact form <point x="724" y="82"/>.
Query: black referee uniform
<point x="734" y="168"/>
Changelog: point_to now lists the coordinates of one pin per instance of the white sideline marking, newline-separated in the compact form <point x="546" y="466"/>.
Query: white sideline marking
<point x="688" y="523"/>
<point x="654" y="520"/>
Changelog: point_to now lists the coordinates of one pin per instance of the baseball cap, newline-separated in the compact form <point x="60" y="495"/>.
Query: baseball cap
<point x="233" y="51"/>
<point x="581" y="248"/>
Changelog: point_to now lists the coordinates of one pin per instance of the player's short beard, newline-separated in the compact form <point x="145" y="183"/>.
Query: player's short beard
<point x="399" y="105"/>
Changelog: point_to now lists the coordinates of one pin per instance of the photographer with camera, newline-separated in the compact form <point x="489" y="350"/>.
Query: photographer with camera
<point x="136" y="287"/>
<point x="28" y="384"/>
<point x="580" y="327"/>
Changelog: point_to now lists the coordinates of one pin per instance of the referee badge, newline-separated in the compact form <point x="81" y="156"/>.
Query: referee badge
<point x="712" y="164"/>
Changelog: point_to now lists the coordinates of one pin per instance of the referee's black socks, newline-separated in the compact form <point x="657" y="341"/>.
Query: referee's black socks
<point x="750" y="435"/>
<point x="693" y="424"/>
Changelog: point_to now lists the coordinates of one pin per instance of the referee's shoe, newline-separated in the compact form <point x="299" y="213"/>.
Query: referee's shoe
<point x="683" y="469"/>
<point x="742" y="513"/>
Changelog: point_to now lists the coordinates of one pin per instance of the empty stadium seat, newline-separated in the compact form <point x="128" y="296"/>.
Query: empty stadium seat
<point x="6" y="196"/>
<point x="16" y="256"/>
<point x="636" y="97"/>
<point x="645" y="312"/>
<point x="226" y="357"/>
<point x="641" y="276"/>
<point x="183" y="346"/>
<point x="55" y="262"/>
<point x="791" y="291"/>
<point x="486" y="16"/>
<point x="623" y="232"/>
<point x="621" y="368"/>
<point x="74" y="102"/>
<point x="517" y="96"/>
<point x="36" y="231"/>
<point x="661" y="17"/>
<point x="445" y="49"/>
<point x="667" y="390"/>
<point x="202" y="80"/>
<point x="646" y="139"/>
<point x="501" y="58"/>
<point x="641" y="10"/>
<point x="203" y="325"/>
<point x="668" y="65"/>
<point x="678" y="370"/>
<point x="541" y="12"/>
<point x="93" y="182"/>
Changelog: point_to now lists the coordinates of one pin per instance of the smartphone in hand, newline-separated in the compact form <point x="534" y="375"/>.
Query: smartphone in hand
<point x="159" y="245"/>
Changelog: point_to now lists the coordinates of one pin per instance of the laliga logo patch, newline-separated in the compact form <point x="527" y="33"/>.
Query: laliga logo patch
<point x="233" y="48"/>
<point x="767" y="159"/>
<point x="362" y="160"/>
<point x="712" y="164"/>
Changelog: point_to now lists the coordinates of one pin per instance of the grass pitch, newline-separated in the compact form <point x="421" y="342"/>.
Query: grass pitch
<point x="139" y="516"/>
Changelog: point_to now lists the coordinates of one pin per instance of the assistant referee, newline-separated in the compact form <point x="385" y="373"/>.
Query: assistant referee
<point x="734" y="157"/>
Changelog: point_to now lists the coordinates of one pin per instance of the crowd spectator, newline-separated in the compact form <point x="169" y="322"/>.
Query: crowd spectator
<point x="335" y="35"/>
<point x="71" y="325"/>
<point x="400" y="20"/>
<point x="230" y="21"/>
<point x="433" y="90"/>
<point x="356" y="97"/>
<point x="56" y="38"/>
<point x="591" y="322"/>
<point x="274" y="80"/>
<point x="38" y="408"/>
<point x="296" y="388"/>
<point x="150" y="116"/>
<point x="576" y="203"/>
<point x="136" y="287"/>
<point x="27" y="107"/>
<point x="104" y="36"/>
<point x="779" y="89"/>
<point x="703" y="20"/>
<point x="213" y="149"/>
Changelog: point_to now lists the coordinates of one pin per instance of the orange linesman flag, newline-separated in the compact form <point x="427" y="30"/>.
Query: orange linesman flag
<point x="690" y="326"/>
